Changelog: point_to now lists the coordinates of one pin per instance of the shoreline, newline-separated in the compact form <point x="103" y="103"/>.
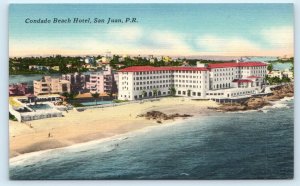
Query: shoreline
<point x="105" y="123"/>
<point x="98" y="124"/>
<point x="17" y="160"/>
<point x="257" y="103"/>
<point x="119" y="137"/>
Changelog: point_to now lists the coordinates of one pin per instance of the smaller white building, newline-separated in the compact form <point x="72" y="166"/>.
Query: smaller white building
<point x="275" y="73"/>
<point x="281" y="73"/>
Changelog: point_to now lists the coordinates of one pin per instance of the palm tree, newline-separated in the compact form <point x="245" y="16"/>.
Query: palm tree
<point x="270" y="67"/>
<point x="155" y="92"/>
<point x="69" y="96"/>
<point x="172" y="91"/>
<point x="189" y="92"/>
<point x="95" y="96"/>
<point x="144" y="93"/>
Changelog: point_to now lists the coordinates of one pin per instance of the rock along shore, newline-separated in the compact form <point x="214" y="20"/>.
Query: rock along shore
<point x="159" y="116"/>
<point x="258" y="102"/>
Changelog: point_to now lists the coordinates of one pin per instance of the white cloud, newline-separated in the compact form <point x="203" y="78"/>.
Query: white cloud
<point x="216" y="45"/>
<point x="136" y="40"/>
<point x="126" y="33"/>
<point x="279" y="37"/>
<point x="129" y="40"/>
<point x="169" y="43"/>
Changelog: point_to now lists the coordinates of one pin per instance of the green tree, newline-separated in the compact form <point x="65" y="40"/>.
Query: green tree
<point x="69" y="96"/>
<point x="155" y="92"/>
<point x="144" y="93"/>
<point x="189" y="92"/>
<point x="172" y="91"/>
<point x="292" y="69"/>
<point x="270" y="67"/>
<point x="285" y="79"/>
<point x="95" y="96"/>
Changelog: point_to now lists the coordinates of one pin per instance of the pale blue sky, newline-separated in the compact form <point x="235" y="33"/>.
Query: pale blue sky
<point x="163" y="29"/>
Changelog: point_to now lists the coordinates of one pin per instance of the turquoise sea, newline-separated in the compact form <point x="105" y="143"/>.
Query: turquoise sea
<point x="240" y="145"/>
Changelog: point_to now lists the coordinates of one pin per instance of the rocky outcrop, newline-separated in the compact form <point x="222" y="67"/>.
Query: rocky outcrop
<point x="281" y="92"/>
<point x="159" y="116"/>
<point x="259" y="102"/>
<point x="250" y="104"/>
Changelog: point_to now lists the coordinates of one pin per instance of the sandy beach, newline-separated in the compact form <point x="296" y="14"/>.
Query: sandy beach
<point x="93" y="124"/>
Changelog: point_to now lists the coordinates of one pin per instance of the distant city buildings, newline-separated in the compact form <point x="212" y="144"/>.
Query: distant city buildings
<point x="102" y="82"/>
<point x="275" y="73"/>
<point x="39" y="67"/>
<point x="43" y="68"/>
<point x="89" y="60"/>
<point x="220" y="80"/>
<point x="281" y="73"/>
<point x="49" y="85"/>
<point x="77" y="82"/>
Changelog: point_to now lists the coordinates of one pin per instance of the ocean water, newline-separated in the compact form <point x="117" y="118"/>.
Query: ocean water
<point x="276" y="66"/>
<point x="241" y="145"/>
<point x="92" y="103"/>
<point x="282" y="66"/>
<point x="27" y="78"/>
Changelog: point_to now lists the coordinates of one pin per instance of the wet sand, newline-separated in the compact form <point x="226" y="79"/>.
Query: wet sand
<point x="94" y="124"/>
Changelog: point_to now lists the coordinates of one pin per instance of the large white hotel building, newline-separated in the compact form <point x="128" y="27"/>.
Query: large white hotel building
<point x="218" y="80"/>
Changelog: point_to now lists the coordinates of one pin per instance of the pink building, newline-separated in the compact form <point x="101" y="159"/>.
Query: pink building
<point x="102" y="82"/>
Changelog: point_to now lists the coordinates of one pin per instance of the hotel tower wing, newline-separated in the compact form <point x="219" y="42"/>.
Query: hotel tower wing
<point x="212" y="81"/>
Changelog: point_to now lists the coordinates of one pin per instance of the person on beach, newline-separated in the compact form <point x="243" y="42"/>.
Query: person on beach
<point x="49" y="135"/>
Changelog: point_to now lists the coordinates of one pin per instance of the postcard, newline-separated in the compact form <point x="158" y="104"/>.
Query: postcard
<point x="151" y="91"/>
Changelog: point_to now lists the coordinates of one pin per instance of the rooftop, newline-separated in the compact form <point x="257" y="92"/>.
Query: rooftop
<point x="240" y="64"/>
<point x="254" y="77"/>
<point x="151" y="68"/>
<point x="242" y="80"/>
<point x="210" y="66"/>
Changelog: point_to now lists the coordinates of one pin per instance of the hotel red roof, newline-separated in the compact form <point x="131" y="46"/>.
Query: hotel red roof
<point x="234" y="64"/>
<point x="215" y="65"/>
<point x="242" y="80"/>
<point x="151" y="68"/>
<point x="253" y="77"/>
